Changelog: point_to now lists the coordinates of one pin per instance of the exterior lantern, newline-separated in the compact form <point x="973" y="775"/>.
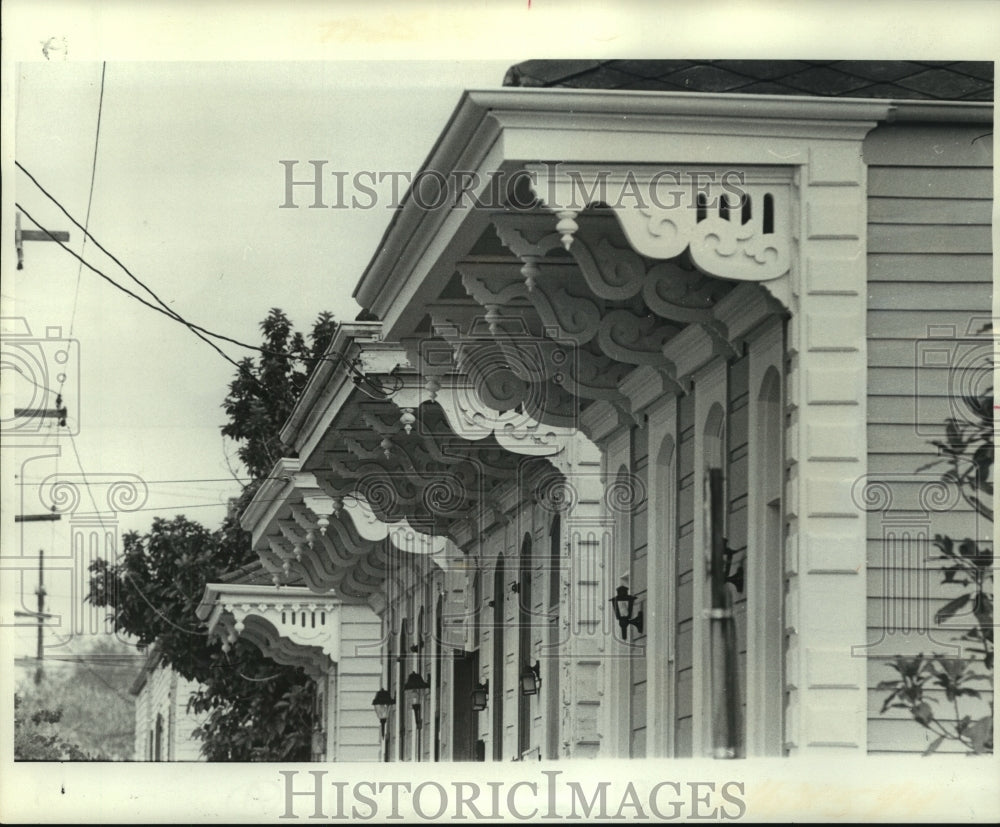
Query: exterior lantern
<point x="383" y="703"/>
<point x="480" y="696"/>
<point x="417" y="717"/>
<point x="623" y="603"/>
<point x="415" y="681"/>
<point x="531" y="679"/>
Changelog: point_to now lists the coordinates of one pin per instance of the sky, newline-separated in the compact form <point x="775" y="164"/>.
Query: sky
<point x="187" y="194"/>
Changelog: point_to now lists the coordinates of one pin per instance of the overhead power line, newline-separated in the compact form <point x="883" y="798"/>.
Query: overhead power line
<point x="373" y="388"/>
<point x="90" y="196"/>
<point x="180" y="506"/>
<point x="166" y="312"/>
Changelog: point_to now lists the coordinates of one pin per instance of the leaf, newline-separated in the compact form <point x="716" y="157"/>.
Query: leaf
<point x="968" y="549"/>
<point x="980" y="734"/>
<point x="923" y="713"/>
<point x="934" y="745"/>
<point x="951" y="608"/>
<point x="945" y="544"/>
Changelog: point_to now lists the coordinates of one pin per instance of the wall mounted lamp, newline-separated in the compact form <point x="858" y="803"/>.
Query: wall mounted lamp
<point x="623" y="603"/>
<point x="531" y="679"/>
<point x="383" y="703"/>
<point x="415" y="681"/>
<point x="480" y="696"/>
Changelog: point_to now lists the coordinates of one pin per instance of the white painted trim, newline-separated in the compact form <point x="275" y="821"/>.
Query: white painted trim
<point x="315" y="407"/>
<point x="765" y="565"/>
<point x="820" y="140"/>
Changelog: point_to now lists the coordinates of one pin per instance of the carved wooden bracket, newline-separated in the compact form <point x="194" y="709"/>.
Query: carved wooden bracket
<point x="293" y="629"/>
<point x="472" y="419"/>
<point x="734" y="223"/>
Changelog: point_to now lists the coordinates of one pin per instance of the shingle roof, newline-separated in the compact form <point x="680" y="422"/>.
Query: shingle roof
<point x="897" y="79"/>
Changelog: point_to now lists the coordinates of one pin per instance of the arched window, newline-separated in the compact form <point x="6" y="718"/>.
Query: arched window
<point x="158" y="738"/>
<point x="419" y="642"/>
<point x="619" y="505"/>
<point x="437" y="655"/>
<point x="402" y="709"/>
<point x="419" y="666"/>
<point x="497" y="676"/>
<point x="391" y="648"/>
<point x="765" y="570"/>
<point x="477" y="609"/>
<point x="524" y="648"/>
<point x="715" y="438"/>
<point x="663" y="567"/>
<point x="550" y="663"/>
<point x="722" y="720"/>
<point x="687" y="660"/>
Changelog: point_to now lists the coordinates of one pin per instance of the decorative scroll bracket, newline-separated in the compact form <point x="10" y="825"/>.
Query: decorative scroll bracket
<point x="734" y="223"/>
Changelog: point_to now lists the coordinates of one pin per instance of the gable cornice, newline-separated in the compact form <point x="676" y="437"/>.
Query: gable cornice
<point x="481" y="135"/>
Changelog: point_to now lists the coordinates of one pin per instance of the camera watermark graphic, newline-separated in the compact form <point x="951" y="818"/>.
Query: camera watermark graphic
<point x="64" y="521"/>
<point x="904" y="564"/>
<point x="952" y="366"/>
<point x="41" y="380"/>
<point x="90" y="506"/>
<point x="930" y="529"/>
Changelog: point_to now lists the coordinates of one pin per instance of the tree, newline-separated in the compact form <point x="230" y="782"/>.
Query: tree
<point x="87" y="704"/>
<point x="34" y="737"/>
<point x="257" y="710"/>
<point x="262" y="395"/>
<point x="967" y="453"/>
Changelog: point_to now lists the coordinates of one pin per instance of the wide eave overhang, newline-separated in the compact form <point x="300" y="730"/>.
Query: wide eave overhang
<point x="495" y="129"/>
<point x="329" y="379"/>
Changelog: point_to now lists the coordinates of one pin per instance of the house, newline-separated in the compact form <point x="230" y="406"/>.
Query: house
<point x="628" y="464"/>
<point x="334" y="639"/>
<point x="164" y="726"/>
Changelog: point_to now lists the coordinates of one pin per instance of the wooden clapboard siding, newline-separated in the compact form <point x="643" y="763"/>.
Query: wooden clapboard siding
<point x="940" y="267"/>
<point x="970" y="211"/>
<point x="924" y="182"/>
<point x="895" y="731"/>
<point x="166" y="693"/>
<point x="929" y="292"/>
<point x="683" y="588"/>
<point x="920" y="296"/>
<point x="359" y="675"/>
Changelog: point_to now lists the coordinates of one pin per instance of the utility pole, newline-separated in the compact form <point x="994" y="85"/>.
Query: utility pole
<point x="40" y="591"/>
<point x="41" y="613"/>
<point x="39" y="616"/>
<point x="20" y="236"/>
